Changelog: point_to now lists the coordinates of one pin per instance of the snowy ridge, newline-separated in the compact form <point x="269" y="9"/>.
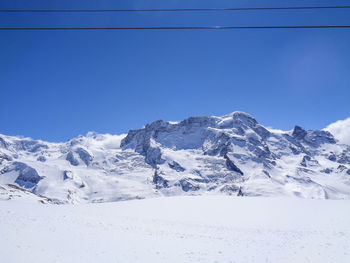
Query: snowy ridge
<point x="231" y="155"/>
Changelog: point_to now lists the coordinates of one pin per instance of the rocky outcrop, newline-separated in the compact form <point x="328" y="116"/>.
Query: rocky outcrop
<point x="176" y="166"/>
<point x="313" y="138"/>
<point x="230" y="164"/>
<point x="28" y="177"/>
<point x="84" y="155"/>
<point x="159" y="181"/>
<point x="41" y="159"/>
<point x="71" y="159"/>
<point x="188" y="185"/>
<point x="3" y="143"/>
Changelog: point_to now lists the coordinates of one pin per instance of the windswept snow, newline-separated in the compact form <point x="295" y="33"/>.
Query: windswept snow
<point x="177" y="229"/>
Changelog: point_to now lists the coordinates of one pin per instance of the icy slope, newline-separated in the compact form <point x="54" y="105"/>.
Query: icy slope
<point x="231" y="154"/>
<point x="178" y="229"/>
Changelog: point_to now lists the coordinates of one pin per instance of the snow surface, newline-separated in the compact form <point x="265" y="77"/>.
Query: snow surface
<point x="177" y="229"/>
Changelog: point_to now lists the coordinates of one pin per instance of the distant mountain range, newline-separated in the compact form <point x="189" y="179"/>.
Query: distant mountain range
<point x="231" y="155"/>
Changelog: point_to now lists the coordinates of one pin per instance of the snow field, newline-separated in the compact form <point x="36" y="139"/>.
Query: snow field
<point x="177" y="229"/>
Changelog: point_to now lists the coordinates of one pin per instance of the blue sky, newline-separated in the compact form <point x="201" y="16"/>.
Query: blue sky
<point x="55" y="85"/>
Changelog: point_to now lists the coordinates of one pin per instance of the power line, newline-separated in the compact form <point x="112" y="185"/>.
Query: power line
<point x="171" y="9"/>
<point x="177" y="27"/>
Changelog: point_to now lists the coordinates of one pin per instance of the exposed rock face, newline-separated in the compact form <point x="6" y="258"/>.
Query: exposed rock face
<point x="154" y="156"/>
<point x="176" y="166"/>
<point x="31" y="145"/>
<point x="232" y="166"/>
<point x="71" y="158"/>
<point x="299" y="133"/>
<point x="188" y="185"/>
<point x="344" y="157"/>
<point x="41" y="159"/>
<point x="159" y="181"/>
<point x="4" y="157"/>
<point x="67" y="175"/>
<point x="79" y="153"/>
<point x="313" y="138"/>
<point x="230" y="189"/>
<point x="3" y="143"/>
<point x="84" y="155"/>
<point x="308" y="161"/>
<point x="74" y="179"/>
<point x="28" y="177"/>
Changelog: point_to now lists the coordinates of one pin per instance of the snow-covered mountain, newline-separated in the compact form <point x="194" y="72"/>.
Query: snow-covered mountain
<point x="231" y="154"/>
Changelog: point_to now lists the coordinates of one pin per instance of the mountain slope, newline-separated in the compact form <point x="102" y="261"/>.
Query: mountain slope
<point x="231" y="154"/>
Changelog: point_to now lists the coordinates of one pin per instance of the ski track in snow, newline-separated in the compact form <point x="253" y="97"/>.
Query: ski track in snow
<point x="177" y="229"/>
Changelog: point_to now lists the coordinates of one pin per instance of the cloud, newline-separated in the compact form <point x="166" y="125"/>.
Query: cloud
<point x="271" y="129"/>
<point x="340" y="130"/>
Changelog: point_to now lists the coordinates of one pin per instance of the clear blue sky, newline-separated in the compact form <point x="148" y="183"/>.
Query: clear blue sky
<point x="55" y="85"/>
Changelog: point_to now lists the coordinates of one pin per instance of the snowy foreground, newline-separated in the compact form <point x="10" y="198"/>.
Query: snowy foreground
<point x="177" y="229"/>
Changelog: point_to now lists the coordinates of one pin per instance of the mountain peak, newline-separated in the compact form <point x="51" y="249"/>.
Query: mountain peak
<point x="298" y="132"/>
<point x="239" y="114"/>
<point x="237" y="117"/>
